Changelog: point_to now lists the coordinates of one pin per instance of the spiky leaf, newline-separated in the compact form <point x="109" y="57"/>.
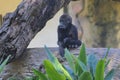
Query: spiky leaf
<point x="99" y="74"/>
<point x="4" y="63"/>
<point x="82" y="56"/>
<point x="70" y="59"/>
<point x="56" y="64"/>
<point x="85" y="76"/>
<point x="40" y="75"/>
<point x="110" y="74"/>
<point x="52" y="73"/>
<point x="92" y="62"/>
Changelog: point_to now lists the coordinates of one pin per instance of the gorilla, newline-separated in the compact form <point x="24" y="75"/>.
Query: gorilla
<point x="67" y="34"/>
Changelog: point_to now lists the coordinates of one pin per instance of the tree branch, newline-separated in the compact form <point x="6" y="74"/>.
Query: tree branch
<point x="20" y="27"/>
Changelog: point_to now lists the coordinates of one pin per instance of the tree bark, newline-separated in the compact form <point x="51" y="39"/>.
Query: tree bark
<point x="0" y="20"/>
<point x="20" y="27"/>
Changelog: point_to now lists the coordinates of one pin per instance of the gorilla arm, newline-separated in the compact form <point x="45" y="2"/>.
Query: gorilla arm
<point x="74" y="42"/>
<point x="74" y="33"/>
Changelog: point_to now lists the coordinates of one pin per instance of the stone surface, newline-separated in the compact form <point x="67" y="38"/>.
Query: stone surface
<point x="100" y="26"/>
<point x="32" y="58"/>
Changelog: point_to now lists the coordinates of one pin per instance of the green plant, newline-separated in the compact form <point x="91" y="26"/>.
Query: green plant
<point x="82" y="67"/>
<point x="4" y="63"/>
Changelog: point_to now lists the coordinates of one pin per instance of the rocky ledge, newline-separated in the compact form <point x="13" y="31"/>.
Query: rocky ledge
<point x="33" y="57"/>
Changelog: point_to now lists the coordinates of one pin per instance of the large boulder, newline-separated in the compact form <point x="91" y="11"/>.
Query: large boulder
<point x="99" y="21"/>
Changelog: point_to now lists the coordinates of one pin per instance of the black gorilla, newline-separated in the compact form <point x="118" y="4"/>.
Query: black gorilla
<point x="67" y="34"/>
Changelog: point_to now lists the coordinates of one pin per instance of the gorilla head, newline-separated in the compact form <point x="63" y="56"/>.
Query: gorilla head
<point x="65" y="20"/>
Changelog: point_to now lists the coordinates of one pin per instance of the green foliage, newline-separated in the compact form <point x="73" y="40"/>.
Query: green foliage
<point x="82" y="67"/>
<point x="57" y="65"/>
<point x="92" y="62"/>
<point x="99" y="74"/>
<point x="52" y="73"/>
<point x="82" y="56"/>
<point x="40" y="75"/>
<point x="110" y="74"/>
<point x="4" y="63"/>
<point x="85" y="76"/>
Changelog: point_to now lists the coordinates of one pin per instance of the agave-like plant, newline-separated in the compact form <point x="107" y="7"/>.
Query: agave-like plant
<point x="82" y="67"/>
<point x="3" y="64"/>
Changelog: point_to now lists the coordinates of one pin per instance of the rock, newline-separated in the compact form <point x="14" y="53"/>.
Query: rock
<point x="100" y="25"/>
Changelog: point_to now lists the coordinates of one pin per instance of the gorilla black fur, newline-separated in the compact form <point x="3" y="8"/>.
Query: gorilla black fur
<point x="67" y="34"/>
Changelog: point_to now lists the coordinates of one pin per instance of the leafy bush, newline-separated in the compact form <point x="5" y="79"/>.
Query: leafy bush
<point x="82" y="67"/>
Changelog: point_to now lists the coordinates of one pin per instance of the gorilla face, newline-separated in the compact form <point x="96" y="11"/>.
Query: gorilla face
<point x="65" y="20"/>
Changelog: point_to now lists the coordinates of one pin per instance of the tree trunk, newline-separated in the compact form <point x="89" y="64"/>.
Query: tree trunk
<point x="20" y="27"/>
<point x="0" y="20"/>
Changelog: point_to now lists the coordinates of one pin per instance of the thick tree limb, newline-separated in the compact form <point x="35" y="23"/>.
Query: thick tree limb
<point x="20" y="27"/>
